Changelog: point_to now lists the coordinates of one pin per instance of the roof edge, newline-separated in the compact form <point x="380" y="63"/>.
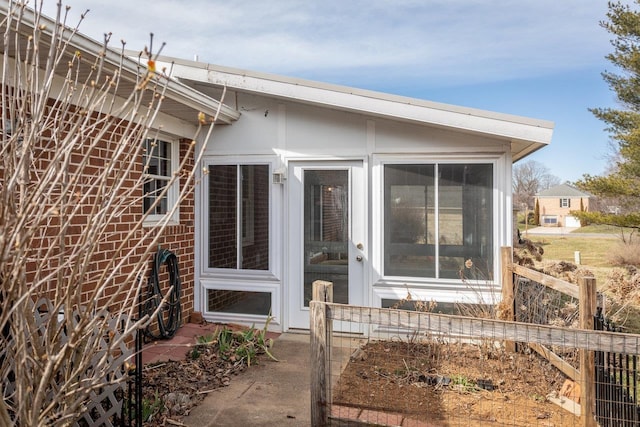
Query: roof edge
<point x="175" y="89"/>
<point x="447" y="115"/>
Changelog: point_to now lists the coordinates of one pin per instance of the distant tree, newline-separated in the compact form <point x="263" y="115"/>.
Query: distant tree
<point x="620" y="187"/>
<point x="529" y="178"/>
<point x="536" y="214"/>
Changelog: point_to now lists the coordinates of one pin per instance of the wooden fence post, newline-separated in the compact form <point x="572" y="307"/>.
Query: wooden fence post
<point x="587" y="363"/>
<point x="321" y="331"/>
<point x="508" y="313"/>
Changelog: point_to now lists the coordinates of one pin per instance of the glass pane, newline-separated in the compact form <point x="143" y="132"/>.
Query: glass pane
<point x="409" y="220"/>
<point x="255" y="217"/>
<point x="152" y="189"/>
<point x="223" y="249"/>
<point x="165" y="167"/>
<point x="158" y="156"/>
<point x="465" y="195"/>
<point x="164" y="150"/>
<point x="244" y="302"/>
<point x="326" y="231"/>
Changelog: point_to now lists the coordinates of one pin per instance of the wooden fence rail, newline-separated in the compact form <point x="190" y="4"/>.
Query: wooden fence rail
<point x="586" y="293"/>
<point x="324" y="313"/>
<point x="540" y="337"/>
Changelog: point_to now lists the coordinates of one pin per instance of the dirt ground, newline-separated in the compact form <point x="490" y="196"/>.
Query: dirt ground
<point x="453" y="384"/>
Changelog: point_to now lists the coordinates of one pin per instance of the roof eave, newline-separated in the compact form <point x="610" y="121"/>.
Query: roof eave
<point x="530" y="134"/>
<point x="130" y="69"/>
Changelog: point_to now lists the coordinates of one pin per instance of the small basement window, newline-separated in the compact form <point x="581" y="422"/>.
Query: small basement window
<point x="240" y="302"/>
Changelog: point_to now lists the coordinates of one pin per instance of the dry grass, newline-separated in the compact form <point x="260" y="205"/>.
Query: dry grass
<point x="594" y="252"/>
<point x="602" y="256"/>
<point x="624" y="254"/>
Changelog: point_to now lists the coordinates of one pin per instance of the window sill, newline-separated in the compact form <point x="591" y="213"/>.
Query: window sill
<point x="149" y="223"/>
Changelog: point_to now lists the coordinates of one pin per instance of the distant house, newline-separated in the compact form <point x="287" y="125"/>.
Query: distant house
<point x="556" y="203"/>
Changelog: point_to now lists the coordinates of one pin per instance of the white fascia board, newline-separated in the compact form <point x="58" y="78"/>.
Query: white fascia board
<point x="113" y="105"/>
<point x="536" y="132"/>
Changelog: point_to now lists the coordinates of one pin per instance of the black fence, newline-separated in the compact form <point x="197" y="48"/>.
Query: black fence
<point x="132" y="410"/>
<point x="616" y="383"/>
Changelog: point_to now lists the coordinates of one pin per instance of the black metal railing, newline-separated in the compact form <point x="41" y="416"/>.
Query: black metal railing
<point x="132" y="408"/>
<point x="616" y="383"/>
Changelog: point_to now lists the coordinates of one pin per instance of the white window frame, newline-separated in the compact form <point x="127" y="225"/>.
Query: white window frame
<point x="238" y="279"/>
<point x="274" y="271"/>
<point x="173" y="191"/>
<point x="441" y="289"/>
<point x="565" y="202"/>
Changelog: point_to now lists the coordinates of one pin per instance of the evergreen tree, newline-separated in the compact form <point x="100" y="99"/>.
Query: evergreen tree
<point x="583" y="221"/>
<point x="622" y="184"/>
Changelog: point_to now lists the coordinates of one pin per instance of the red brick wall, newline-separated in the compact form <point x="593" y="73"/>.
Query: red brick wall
<point x="178" y="238"/>
<point x="109" y="247"/>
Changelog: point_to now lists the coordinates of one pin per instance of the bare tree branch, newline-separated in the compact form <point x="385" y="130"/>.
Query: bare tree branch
<point x="74" y="241"/>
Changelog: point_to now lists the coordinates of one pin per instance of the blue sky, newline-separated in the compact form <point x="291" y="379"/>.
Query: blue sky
<point x="535" y="58"/>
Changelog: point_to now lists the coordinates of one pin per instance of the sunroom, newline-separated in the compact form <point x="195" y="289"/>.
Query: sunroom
<point x="382" y="195"/>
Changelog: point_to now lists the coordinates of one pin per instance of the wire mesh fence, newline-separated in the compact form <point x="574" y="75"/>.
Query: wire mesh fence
<point x="428" y="369"/>
<point x="542" y="300"/>
<point x="539" y="304"/>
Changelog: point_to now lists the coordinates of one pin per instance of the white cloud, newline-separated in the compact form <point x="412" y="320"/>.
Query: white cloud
<point x="448" y="41"/>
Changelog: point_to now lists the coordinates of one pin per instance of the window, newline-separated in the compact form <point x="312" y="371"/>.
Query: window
<point x="438" y="220"/>
<point x="239" y="217"/>
<point x="550" y="220"/>
<point x="160" y="160"/>
<point x="565" y="202"/>
<point x="246" y="302"/>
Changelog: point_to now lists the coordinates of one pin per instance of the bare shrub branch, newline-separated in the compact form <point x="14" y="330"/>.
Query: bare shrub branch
<point x="72" y="230"/>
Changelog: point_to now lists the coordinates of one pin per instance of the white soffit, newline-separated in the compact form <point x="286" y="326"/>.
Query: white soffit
<point x="525" y="134"/>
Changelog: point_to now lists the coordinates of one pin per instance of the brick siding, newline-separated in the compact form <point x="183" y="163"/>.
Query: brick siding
<point x="114" y="241"/>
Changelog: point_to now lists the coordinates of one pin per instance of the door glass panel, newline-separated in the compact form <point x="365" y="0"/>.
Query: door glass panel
<point x="326" y="231"/>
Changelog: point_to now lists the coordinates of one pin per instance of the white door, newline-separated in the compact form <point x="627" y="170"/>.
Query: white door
<point x="327" y="230"/>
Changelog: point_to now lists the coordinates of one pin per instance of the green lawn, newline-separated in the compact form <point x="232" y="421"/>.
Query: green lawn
<point x="593" y="250"/>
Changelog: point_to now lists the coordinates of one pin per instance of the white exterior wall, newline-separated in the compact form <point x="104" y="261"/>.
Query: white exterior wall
<point x="281" y="132"/>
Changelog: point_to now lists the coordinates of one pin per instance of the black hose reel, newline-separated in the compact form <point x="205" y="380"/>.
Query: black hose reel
<point x="169" y="317"/>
